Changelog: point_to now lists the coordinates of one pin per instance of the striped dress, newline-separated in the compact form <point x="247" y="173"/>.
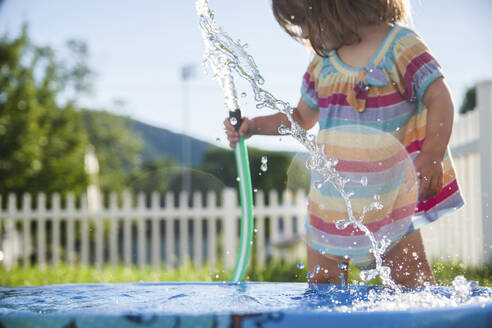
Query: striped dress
<point x="373" y="120"/>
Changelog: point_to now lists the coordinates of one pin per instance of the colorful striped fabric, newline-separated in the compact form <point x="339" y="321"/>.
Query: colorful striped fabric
<point x="373" y="121"/>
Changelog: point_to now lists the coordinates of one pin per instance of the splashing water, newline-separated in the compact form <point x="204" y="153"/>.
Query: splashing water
<point x="264" y="163"/>
<point x="226" y="56"/>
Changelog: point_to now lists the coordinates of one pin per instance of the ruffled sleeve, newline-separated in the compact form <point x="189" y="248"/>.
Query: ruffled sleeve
<point x="309" y="82"/>
<point x="415" y="67"/>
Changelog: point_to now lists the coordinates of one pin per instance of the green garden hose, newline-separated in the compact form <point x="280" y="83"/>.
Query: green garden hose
<point x="246" y="197"/>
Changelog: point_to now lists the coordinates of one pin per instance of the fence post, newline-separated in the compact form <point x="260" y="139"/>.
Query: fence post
<point x="71" y="215"/>
<point x="273" y="206"/>
<point x="84" y="224"/>
<point x="301" y="204"/>
<point x="127" y="229"/>
<point x="41" y="242"/>
<point x="183" y="228"/>
<point x="260" y="233"/>
<point x="229" y="206"/>
<point x="484" y="104"/>
<point x="55" y="228"/>
<point x="156" y="230"/>
<point x="288" y="217"/>
<point x="97" y="212"/>
<point x="211" y="229"/>
<point x="141" y="236"/>
<point x="9" y="243"/>
<point x="113" y="229"/>
<point x="197" y="229"/>
<point x="26" y="229"/>
<point x="169" y="220"/>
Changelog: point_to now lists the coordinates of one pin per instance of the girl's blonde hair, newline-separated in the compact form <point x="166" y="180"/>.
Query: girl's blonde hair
<point x="331" y="24"/>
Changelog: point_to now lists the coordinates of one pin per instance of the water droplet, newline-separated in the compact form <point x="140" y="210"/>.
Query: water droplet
<point x="264" y="167"/>
<point x="363" y="181"/>
<point x="380" y="163"/>
<point x="292" y="17"/>
<point x="255" y="190"/>
<point x="326" y="270"/>
<point x="283" y="130"/>
<point x="342" y="224"/>
<point x="255" y="229"/>
<point x="217" y="139"/>
<point x="367" y="275"/>
<point x="385" y="272"/>
<point x="342" y="266"/>
<point x="233" y="120"/>
<point x="415" y="255"/>
<point x="243" y="94"/>
<point x="300" y="265"/>
<point x="238" y="179"/>
<point x="264" y="159"/>
<point x="377" y="205"/>
<point x="217" y="276"/>
<point x="317" y="267"/>
<point x="310" y="275"/>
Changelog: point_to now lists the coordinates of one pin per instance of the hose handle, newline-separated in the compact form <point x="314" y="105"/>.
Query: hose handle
<point x="238" y="116"/>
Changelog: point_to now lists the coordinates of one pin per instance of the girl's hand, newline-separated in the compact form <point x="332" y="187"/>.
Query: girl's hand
<point x="430" y="172"/>
<point x="244" y="131"/>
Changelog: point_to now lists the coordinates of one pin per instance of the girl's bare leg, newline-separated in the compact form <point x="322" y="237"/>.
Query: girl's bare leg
<point x="334" y="272"/>
<point x="408" y="263"/>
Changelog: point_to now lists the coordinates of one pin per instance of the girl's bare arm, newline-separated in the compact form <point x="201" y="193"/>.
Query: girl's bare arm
<point x="440" y="113"/>
<point x="303" y="114"/>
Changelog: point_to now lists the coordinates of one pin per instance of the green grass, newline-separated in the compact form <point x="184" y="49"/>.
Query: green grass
<point x="444" y="272"/>
<point x="277" y="271"/>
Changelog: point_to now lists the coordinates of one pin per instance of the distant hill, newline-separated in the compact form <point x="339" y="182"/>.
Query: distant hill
<point x="159" y="143"/>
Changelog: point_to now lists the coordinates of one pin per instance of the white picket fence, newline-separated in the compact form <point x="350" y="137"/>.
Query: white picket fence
<point x="466" y="235"/>
<point x="161" y="235"/>
<point x="136" y="234"/>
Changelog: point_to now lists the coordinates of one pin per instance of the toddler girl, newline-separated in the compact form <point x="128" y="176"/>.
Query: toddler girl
<point x="371" y="85"/>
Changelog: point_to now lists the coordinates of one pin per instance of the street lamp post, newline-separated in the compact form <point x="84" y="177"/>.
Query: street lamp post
<point x="187" y="72"/>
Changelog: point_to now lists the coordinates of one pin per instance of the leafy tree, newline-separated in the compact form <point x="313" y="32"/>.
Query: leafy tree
<point x="221" y="163"/>
<point x="470" y="101"/>
<point x="153" y="176"/>
<point x="117" y="149"/>
<point x="167" y="176"/>
<point x="42" y="143"/>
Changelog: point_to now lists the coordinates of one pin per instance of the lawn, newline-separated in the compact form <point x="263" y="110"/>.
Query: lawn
<point x="277" y="271"/>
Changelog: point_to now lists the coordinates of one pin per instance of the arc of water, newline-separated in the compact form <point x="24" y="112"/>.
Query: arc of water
<point x="221" y="65"/>
<point x="224" y="56"/>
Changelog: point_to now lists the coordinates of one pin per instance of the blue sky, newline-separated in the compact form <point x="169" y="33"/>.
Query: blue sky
<point x="137" y="49"/>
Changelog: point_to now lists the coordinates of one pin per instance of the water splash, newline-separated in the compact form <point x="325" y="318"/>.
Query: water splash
<point x="264" y="163"/>
<point x="225" y="56"/>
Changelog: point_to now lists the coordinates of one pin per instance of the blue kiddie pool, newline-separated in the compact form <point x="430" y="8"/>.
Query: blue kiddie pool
<point x="241" y="305"/>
